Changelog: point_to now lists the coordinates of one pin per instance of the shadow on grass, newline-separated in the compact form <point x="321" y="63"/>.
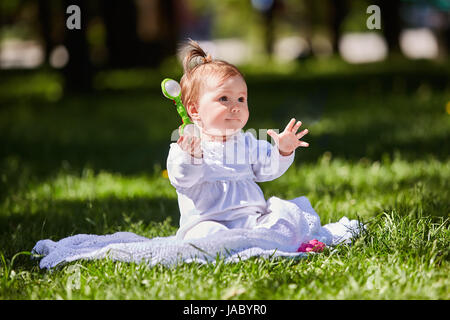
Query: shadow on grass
<point x="369" y="143"/>
<point x="57" y="219"/>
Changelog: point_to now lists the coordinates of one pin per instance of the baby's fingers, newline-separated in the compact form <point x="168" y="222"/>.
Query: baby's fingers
<point x="185" y="143"/>
<point x="303" y="144"/>
<point x="273" y="134"/>
<point x="191" y="142"/>
<point x="196" y="148"/>
<point x="297" y="125"/>
<point x="180" y="141"/>
<point x="290" y="125"/>
<point x="302" y="133"/>
<point x="195" y="143"/>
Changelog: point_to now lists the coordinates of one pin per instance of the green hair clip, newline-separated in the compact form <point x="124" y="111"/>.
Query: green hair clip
<point x="172" y="90"/>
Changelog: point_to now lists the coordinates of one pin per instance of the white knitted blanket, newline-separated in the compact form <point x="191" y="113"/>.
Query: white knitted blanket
<point x="292" y="226"/>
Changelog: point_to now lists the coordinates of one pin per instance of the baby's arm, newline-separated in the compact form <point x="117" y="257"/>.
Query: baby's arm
<point x="274" y="161"/>
<point x="183" y="169"/>
<point x="268" y="164"/>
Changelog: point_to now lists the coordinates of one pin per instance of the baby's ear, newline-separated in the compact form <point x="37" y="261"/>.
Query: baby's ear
<point x="192" y="110"/>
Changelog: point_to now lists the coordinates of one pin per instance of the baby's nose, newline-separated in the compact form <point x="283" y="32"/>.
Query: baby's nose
<point x="235" y="109"/>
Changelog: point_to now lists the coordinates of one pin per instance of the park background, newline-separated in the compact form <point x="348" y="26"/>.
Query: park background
<point x="85" y="133"/>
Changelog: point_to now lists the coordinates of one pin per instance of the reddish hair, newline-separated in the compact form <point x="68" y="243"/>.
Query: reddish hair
<point x="198" y="68"/>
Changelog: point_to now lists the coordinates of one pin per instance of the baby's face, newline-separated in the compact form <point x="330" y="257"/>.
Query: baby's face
<point x="222" y="107"/>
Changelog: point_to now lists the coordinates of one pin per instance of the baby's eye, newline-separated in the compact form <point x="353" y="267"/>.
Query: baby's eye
<point x="241" y="99"/>
<point x="223" y="98"/>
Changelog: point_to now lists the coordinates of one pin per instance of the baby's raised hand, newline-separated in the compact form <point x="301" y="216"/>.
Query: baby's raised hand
<point x="289" y="140"/>
<point x="190" y="142"/>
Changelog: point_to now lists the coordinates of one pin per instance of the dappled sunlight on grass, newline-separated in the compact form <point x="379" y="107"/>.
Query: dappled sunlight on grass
<point x="102" y="185"/>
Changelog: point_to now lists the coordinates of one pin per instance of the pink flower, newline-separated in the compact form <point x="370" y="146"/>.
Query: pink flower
<point x="314" y="245"/>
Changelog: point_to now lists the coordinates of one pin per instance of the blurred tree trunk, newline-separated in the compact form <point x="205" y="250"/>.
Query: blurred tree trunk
<point x="139" y="33"/>
<point x="268" y="32"/>
<point x="78" y="71"/>
<point x="447" y="38"/>
<point x="122" y="42"/>
<point x="170" y="26"/>
<point x="391" y="23"/>
<point x="45" y="20"/>
<point x="443" y="35"/>
<point x="268" y="15"/>
<point x="338" y="9"/>
<point x="157" y="30"/>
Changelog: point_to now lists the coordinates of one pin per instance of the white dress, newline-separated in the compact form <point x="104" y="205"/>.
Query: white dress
<point x="219" y="191"/>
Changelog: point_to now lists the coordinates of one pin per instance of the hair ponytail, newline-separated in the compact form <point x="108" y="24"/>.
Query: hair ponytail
<point x="194" y="55"/>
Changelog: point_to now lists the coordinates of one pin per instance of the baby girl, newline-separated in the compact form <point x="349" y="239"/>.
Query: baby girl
<point x="215" y="171"/>
<point x="214" y="167"/>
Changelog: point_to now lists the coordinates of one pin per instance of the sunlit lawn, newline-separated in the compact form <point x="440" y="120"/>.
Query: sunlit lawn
<point x="379" y="151"/>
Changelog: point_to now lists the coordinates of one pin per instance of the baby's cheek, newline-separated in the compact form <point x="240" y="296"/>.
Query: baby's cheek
<point x="219" y="119"/>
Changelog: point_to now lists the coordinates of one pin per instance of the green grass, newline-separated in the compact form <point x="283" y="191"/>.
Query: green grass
<point x="378" y="152"/>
